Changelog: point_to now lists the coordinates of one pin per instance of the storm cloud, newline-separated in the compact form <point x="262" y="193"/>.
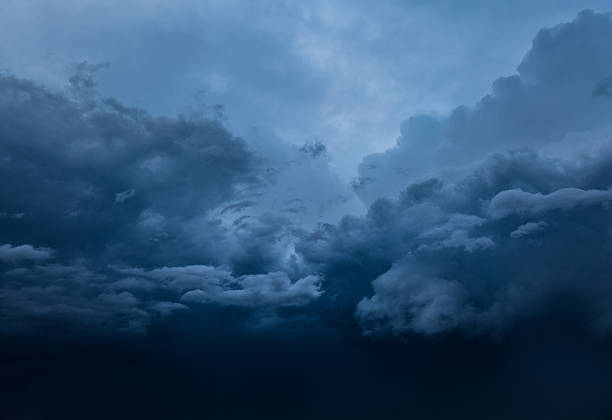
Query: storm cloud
<point x="102" y="186"/>
<point x="546" y="102"/>
<point x="214" y="263"/>
<point x="149" y="214"/>
<point x="494" y="211"/>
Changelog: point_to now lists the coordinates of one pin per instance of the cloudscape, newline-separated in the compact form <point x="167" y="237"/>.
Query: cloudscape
<point x="303" y="210"/>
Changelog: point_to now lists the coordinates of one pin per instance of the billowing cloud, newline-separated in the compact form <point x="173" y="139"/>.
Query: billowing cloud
<point x="261" y="225"/>
<point x="102" y="185"/>
<point x="92" y="175"/>
<point x="129" y="299"/>
<point x="480" y="258"/>
<point x="551" y="97"/>
<point x="488" y="215"/>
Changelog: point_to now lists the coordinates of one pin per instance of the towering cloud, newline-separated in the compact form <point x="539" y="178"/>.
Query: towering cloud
<point x="114" y="218"/>
<point x="490" y="214"/>
<point x="559" y="91"/>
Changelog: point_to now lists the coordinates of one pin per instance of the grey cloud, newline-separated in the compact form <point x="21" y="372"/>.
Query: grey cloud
<point x="528" y="229"/>
<point x="297" y="75"/>
<point x="118" y="299"/>
<point x="9" y="252"/>
<point x="257" y="225"/>
<point x="106" y="301"/>
<point x="532" y="204"/>
<point x="80" y="161"/>
<point x="407" y="300"/>
<point x="167" y="308"/>
<point x="107" y="185"/>
<point x="272" y="289"/>
<point x="206" y="284"/>
<point x="68" y="300"/>
<point x="486" y="288"/>
<point x="459" y="236"/>
<point x="603" y="87"/>
<point x="83" y="79"/>
<point x="549" y="99"/>
<point x="124" y="195"/>
<point x="455" y="233"/>
<point x="444" y="251"/>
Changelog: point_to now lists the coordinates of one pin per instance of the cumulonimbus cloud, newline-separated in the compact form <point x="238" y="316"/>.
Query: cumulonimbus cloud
<point x="486" y="214"/>
<point x="472" y="220"/>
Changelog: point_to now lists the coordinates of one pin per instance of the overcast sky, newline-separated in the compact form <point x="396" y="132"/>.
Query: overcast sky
<point x="298" y="210"/>
<point x="345" y="72"/>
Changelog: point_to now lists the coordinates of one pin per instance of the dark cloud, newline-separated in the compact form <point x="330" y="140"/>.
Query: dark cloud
<point x="168" y="212"/>
<point x="23" y="252"/>
<point x="528" y="229"/>
<point x="481" y="252"/>
<point x="493" y="212"/>
<point x="167" y="268"/>
<point x="527" y="204"/>
<point x="98" y="185"/>
<point x="205" y="284"/>
<point x="603" y="87"/>
<point x="73" y="299"/>
<point x="550" y="98"/>
<point x="94" y="176"/>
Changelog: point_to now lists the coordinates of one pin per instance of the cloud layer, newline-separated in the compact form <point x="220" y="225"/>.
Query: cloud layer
<point x="498" y="209"/>
<point x="102" y="185"/>
<point x="553" y="95"/>
<point x="114" y="219"/>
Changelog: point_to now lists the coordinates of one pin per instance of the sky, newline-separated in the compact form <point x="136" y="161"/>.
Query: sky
<point x="231" y="209"/>
<point x="346" y="73"/>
